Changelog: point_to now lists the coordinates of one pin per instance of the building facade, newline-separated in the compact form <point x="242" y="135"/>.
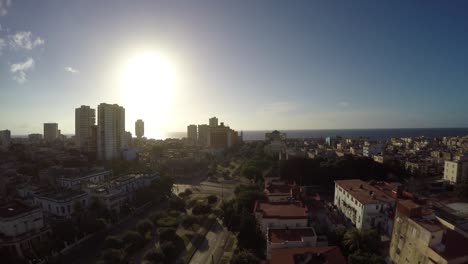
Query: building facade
<point x="139" y="128"/>
<point x="456" y="171"/>
<point x="85" y="119"/>
<point x="280" y="215"/>
<point x="192" y="133"/>
<point x="62" y="202"/>
<point x="110" y="131"/>
<point x="364" y="205"/>
<point x="50" y="132"/>
<point x="371" y="149"/>
<point x="22" y="227"/>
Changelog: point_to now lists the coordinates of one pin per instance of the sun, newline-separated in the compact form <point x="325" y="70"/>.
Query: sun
<point x="148" y="82"/>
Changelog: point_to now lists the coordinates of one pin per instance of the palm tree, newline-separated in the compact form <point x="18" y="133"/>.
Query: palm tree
<point x="353" y="240"/>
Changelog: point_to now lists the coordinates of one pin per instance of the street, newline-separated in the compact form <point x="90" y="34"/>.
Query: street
<point x="212" y="248"/>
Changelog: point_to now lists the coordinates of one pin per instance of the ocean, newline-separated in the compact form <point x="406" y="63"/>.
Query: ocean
<point x="372" y="134"/>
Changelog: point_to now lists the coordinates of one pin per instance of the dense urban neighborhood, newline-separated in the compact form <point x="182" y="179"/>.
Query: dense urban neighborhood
<point x="214" y="198"/>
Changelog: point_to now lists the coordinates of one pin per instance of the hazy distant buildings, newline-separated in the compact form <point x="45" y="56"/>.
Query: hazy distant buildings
<point x="5" y="137"/>
<point x="456" y="171"/>
<point x="213" y="121"/>
<point x="203" y="134"/>
<point x="35" y="138"/>
<point x="139" y="128"/>
<point x="192" y="133"/>
<point x="51" y="132"/>
<point x="370" y="149"/>
<point x="110" y="131"/>
<point x="85" y="119"/>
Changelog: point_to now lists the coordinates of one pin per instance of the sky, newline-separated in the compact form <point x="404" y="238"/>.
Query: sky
<point x="256" y="65"/>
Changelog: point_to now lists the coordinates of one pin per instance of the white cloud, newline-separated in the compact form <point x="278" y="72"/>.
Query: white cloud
<point x="71" y="70"/>
<point x="343" y="104"/>
<point x="2" y="45"/>
<point x="19" y="70"/>
<point x="4" y="5"/>
<point x="24" y="40"/>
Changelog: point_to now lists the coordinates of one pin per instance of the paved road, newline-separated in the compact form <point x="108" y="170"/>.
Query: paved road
<point x="212" y="248"/>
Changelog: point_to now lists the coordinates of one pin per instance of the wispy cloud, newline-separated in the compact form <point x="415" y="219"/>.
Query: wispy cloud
<point x="25" y="40"/>
<point x="20" y="69"/>
<point x="71" y="70"/>
<point x="343" y="104"/>
<point x="2" y="45"/>
<point x="4" y="5"/>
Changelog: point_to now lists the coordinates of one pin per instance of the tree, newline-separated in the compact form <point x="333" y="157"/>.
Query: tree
<point x="189" y="221"/>
<point x="156" y="216"/>
<point x="250" y="236"/>
<point x="144" y="226"/>
<point x="113" y="256"/>
<point x="365" y="258"/>
<point x="201" y="209"/>
<point x="244" y="257"/>
<point x="170" y="251"/>
<point x="177" y="204"/>
<point x="356" y="241"/>
<point x="155" y="255"/>
<point x="114" y="242"/>
<point x="167" y="234"/>
<point x="461" y="190"/>
<point x="212" y="199"/>
<point x="133" y="239"/>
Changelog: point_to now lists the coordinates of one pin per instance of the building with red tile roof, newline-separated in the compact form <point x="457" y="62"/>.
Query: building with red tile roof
<point x="280" y="214"/>
<point x="331" y="255"/>
<point x="293" y="237"/>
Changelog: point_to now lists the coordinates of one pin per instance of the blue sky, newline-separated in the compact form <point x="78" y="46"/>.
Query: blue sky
<point x="254" y="64"/>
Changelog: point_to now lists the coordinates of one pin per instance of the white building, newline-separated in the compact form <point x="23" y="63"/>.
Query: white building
<point x="75" y="181"/>
<point x="192" y="133"/>
<point x="457" y="170"/>
<point x="21" y="228"/>
<point x="110" y="131"/>
<point x="112" y="199"/>
<point x="62" y="202"/>
<point x="294" y="237"/>
<point x="364" y="205"/>
<point x="51" y="132"/>
<point x="371" y="149"/>
<point x="85" y="119"/>
<point x="280" y="215"/>
<point x="128" y="184"/>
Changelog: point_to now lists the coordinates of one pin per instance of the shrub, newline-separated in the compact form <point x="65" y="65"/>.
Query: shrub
<point x="177" y="204"/>
<point x="112" y="256"/>
<point x="156" y="216"/>
<point x="155" y="255"/>
<point x="170" y="251"/>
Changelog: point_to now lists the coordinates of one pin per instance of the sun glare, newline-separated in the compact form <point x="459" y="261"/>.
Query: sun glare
<point x="148" y="83"/>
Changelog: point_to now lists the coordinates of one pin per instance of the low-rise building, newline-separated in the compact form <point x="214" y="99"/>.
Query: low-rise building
<point x="307" y="255"/>
<point x="282" y="215"/>
<point x="75" y="181"/>
<point x="61" y="202"/>
<point x="371" y="149"/>
<point x="128" y="184"/>
<point x="364" y="205"/>
<point x="21" y="228"/>
<point x="293" y="238"/>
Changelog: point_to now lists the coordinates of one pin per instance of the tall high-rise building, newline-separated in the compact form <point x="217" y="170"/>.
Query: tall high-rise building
<point x="192" y="133"/>
<point x="213" y="121"/>
<point x="203" y="134"/>
<point x="5" y="137"/>
<point x="139" y="128"/>
<point x="50" y="131"/>
<point x="111" y="131"/>
<point x="85" y="119"/>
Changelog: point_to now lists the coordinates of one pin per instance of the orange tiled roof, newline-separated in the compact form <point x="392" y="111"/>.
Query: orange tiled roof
<point x="283" y="210"/>
<point x="287" y="255"/>
<point x="364" y="192"/>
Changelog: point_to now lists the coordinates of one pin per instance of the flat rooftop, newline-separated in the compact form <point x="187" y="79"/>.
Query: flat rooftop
<point x="14" y="208"/>
<point x="364" y="192"/>
<point x="60" y="194"/>
<point x="289" y="234"/>
<point x="281" y="210"/>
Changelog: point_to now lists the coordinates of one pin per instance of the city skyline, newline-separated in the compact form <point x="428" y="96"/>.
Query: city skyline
<point x="320" y="65"/>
